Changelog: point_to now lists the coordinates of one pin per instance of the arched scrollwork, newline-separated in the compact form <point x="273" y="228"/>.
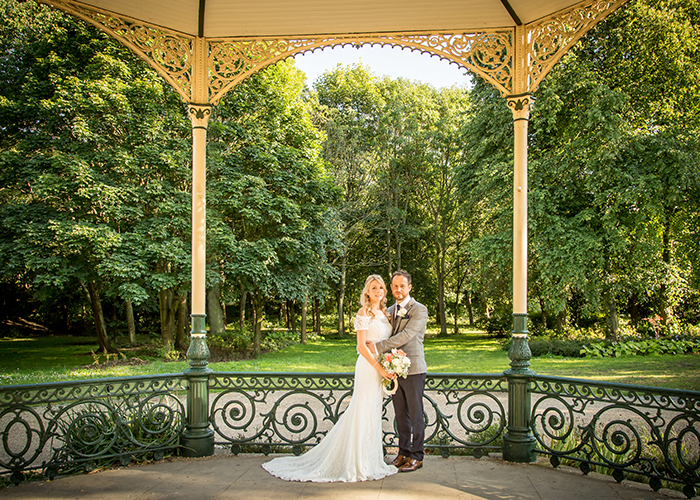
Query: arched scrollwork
<point x="549" y="39"/>
<point x="489" y="53"/>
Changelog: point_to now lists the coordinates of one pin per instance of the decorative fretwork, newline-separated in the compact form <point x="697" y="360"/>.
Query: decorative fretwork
<point x="549" y="39"/>
<point x="171" y="54"/>
<point x="490" y="54"/>
<point x="65" y="427"/>
<point x="284" y="411"/>
<point x="619" y="429"/>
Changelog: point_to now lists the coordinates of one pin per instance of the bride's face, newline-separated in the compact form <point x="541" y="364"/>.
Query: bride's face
<point x="376" y="292"/>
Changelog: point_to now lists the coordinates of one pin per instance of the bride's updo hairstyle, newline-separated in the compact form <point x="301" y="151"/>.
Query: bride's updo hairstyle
<point x="365" y="301"/>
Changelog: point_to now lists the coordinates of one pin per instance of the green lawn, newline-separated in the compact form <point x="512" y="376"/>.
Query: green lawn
<point x="50" y="359"/>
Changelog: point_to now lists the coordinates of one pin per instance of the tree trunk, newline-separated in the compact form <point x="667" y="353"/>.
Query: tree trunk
<point x="470" y="308"/>
<point x="665" y="306"/>
<point x="398" y="253"/>
<point x="440" y="268"/>
<point x="115" y="330"/>
<point x="341" y="297"/>
<point x="98" y="317"/>
<point x="181" y="331"/>
<point x="543" y="312"/>
<point x="389" y="268"/>
<point x="217" y="323"/>
<point x="283" y="318"/>
<point x="130" y="323"/>
<point x="165" y="303"/>
<point x="257" y="322"/>
<point x="611" y="318"/>
<point x="244" y="296"/>
<point x="561" y="320"/>
<point x="303" y="322"/>
<point x="317" y="315"/>
<point x="291" y="311"/>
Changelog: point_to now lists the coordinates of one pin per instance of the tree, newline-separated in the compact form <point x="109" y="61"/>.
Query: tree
<point x="272" y="222"/>
<point x="86" y="126"/>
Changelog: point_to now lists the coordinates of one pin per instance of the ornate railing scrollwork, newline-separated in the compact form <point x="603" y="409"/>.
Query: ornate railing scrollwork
<point x="281" y="411"/>
<point x="62" y="427"/>
<point x="622" y="430"/>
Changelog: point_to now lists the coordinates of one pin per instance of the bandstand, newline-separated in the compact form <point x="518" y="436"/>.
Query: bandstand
<point x="203" y="49"/>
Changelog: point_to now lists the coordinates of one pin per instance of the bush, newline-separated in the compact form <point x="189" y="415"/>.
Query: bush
<point x="500" y="323"/>
<point x="641" y="347"/>
<point x="554" y="347"/>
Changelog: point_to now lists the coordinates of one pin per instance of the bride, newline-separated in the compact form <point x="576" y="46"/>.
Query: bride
<point x="352" y="450"/>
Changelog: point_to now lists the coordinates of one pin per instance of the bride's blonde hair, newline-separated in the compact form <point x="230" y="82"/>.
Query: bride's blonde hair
<point x="366" y="302"/>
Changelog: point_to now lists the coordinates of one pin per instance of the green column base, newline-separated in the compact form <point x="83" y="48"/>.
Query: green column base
<point x="198" y="438"/>
<point x="197" y="446"/>
<point x="519" y="449"/>
<point x="519" y="442"/>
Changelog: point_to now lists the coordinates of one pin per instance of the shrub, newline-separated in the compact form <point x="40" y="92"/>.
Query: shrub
<point x="500" y="323"/>
<point x="555" y="347"/>
<point x="641" y="347"/>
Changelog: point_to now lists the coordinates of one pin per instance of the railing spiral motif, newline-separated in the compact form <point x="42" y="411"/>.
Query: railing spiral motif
<point x="278" y="411"/>
<point x="624" y="430"/>
<point x="59" y="428"/>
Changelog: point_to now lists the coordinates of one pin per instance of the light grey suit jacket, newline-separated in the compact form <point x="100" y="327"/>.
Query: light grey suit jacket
<point x="408" y="334"/>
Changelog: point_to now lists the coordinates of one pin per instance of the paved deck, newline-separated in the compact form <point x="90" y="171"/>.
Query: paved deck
<point x="242" y="477"/>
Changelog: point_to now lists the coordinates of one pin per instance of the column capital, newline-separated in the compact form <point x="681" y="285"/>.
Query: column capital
<point x="521" y="105"/>
<point x="199" y="114"/>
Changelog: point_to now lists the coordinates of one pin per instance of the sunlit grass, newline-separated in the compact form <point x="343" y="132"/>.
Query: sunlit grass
<point x="51" y="359"/>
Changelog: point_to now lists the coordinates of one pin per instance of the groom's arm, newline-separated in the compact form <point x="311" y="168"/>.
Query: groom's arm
<point x="415" y="326"/>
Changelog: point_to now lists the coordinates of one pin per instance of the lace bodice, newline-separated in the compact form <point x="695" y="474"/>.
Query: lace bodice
<point x="378" y="328"/>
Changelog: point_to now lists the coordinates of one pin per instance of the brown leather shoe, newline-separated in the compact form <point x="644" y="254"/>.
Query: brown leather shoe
<point x="410" y="465"/>
<point x="399" y="461"/>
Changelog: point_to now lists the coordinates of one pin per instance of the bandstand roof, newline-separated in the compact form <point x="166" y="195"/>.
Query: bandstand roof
<point x="245" y="18"/>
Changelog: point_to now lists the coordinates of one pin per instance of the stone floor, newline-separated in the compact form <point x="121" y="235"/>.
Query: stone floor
<point x="242" y="477"/>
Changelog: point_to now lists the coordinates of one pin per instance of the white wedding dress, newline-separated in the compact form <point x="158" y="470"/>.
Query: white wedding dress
<point x="352" y="450"/>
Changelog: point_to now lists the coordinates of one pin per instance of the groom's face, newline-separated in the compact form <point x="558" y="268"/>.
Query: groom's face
<point x="400" y="288"/>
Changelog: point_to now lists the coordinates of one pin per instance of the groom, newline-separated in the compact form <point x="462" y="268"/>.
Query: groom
<point x="409" y="319"/>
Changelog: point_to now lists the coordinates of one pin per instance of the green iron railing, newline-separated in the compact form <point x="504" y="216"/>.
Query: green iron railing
<point x="620" y="430"/>
<point x="630" y="432"/>
<point x="288" y="412"/>
<point x="65" y="427"/>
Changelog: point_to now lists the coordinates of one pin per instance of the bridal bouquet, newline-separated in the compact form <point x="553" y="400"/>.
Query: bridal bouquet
<point x="396" y="362"/>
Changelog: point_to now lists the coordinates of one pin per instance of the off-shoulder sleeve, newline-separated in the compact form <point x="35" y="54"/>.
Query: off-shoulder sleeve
<point x="362" y="322"/>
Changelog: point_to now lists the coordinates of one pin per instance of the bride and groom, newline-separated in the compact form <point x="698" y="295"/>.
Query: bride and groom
<point x="353" y="450"/>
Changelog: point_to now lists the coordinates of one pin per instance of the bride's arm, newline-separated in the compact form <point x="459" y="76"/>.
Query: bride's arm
<point x="365" y="353"/>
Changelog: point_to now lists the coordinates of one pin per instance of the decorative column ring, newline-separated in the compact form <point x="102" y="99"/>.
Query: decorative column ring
<point x="521" y="105"/>
<point x="199" y="115"/>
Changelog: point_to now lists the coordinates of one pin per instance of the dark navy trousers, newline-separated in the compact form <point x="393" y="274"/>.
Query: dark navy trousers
<point x="408" y="409"/>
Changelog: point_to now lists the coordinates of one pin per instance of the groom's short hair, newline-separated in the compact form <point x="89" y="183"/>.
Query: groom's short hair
<point x="403" y="273"/>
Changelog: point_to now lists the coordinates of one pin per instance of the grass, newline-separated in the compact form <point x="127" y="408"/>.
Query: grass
<point x="30" y="360"/>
